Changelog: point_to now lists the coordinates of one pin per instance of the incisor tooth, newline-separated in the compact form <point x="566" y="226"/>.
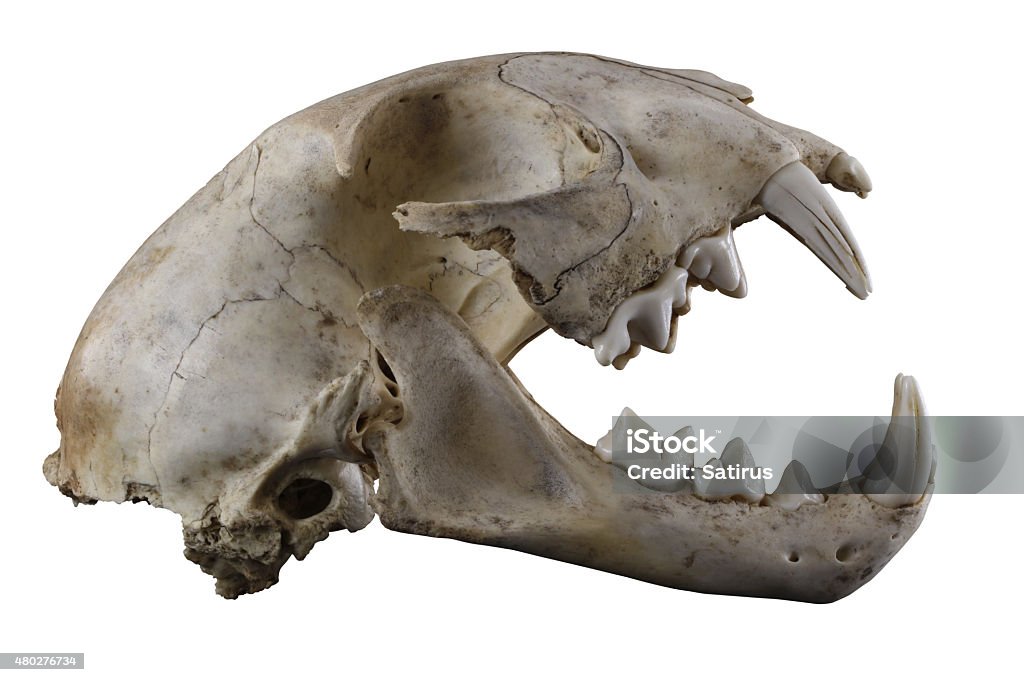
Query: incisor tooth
<point x="846" y="173"/>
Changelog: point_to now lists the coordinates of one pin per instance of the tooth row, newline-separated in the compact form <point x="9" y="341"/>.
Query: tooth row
<point x="646" y="317"/>
<point x="908" y="438"/>
<point x="792" y="197"/>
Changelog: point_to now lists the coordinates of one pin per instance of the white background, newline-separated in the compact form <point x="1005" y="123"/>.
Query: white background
<point x="114" y="116"/>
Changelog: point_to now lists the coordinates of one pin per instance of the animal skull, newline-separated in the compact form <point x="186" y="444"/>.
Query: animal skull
<point x="280" y="342"/>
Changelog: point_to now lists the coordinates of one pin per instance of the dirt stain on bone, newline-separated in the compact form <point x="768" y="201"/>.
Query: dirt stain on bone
<point x="86" y="419"/>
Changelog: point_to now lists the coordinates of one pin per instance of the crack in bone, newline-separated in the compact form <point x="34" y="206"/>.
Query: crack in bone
<point x="558" y="281"/>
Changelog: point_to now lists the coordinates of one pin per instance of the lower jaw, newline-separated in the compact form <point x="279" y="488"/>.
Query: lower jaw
<point x="476" y="459"/>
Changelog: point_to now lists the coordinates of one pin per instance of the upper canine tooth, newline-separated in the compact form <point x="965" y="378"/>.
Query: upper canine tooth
<point x="795" y="489"/>
<point x="715" y="261"/>
<point x="795" y="199"/>
<point x="736" y="458"/>
<point x="907" y="449"/>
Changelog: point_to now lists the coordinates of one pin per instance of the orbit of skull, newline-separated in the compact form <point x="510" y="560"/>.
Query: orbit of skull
<point x="338" y="307"/>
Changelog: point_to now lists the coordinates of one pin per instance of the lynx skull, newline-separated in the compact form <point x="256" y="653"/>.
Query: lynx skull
<point x="345" y="295"/>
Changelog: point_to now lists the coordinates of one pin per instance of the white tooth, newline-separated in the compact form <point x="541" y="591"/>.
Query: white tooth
<point x="622" y="359"/>
<point x="743" y="485"/>
<point x="672" y="334"/>
<point x="680" y="292"/>
<point x="677" y="462"/>
<point x="795" y="489"/>
<point x="614" y="441"/>
<point x="715" y="261"/>
<point x="645" y="317"/>
<point x="704" y="487"/>
<point x="908" y="441"/>
<point x="795" y="199"/>
<point x="605" y="444"/>
<point x="612" y="342"/>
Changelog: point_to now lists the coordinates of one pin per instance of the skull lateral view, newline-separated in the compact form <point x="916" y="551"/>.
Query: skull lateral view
<point x="338" y="306"/>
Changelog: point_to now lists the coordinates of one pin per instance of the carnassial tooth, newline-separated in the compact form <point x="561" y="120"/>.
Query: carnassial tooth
<point x="622" y="359"/>
<point x="606" y="444"/>
<point x="736" y="457"/>
<point x="681" y="461"/>
<point x="795" y="199"/>
<point x="904" y="467"/>
<point x="645" y="317"/>
<point x="715" y="261"/>
<point x="795" y="489"/>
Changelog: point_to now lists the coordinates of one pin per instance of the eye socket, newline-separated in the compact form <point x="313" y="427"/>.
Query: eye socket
<point x="305" y="497"/>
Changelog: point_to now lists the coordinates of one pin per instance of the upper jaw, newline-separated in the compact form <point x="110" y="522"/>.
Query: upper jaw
<point x="794" y="199"/>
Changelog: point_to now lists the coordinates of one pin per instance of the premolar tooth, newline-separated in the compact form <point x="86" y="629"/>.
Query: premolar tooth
<point x="904" y="467"/>
<point x="795" y="199"/>
<point x="736" y="456"/>
<point x="645" y="318"/>
<point x="795" y="489"/>
<point x="705" y="487"/>
<point x="715" y="261"/>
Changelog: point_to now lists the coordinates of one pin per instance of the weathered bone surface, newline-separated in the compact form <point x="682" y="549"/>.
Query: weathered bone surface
<point x="339" y="305"/>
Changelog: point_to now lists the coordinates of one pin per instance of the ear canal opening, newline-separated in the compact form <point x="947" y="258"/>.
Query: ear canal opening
<point x="305" y="497"/>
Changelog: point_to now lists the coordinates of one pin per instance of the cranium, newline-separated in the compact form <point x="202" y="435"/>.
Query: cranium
<point x="339" y="305"/>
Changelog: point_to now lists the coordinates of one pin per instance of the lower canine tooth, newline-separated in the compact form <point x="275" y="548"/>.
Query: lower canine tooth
<point x="908" y="448"/>
<point x="795" y="489"/>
